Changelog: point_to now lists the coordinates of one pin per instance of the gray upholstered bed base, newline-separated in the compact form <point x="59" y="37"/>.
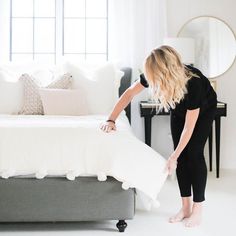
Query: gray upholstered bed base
<point x="58" y="199"/>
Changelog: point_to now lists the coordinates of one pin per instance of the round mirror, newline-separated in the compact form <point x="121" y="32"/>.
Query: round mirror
<point x="215" y="44"/>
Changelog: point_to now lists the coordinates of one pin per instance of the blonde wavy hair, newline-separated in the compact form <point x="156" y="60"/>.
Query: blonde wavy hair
<point x="167" y="76"/>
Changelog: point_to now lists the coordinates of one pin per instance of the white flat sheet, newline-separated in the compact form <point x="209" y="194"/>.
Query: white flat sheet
<point x="76" y="146"/>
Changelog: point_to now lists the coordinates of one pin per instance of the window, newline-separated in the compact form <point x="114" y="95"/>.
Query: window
<point x="85" y="29"/>
<point x="45" y="30"/>
<point x="33" y="30"/>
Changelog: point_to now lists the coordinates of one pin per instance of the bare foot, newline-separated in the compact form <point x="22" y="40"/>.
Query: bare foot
<point x="183" y="213"/>
<point x="196" y="216"/>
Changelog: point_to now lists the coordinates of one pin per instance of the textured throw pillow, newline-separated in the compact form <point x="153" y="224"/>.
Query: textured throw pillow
<point x="32" y="104"/>
<point x="66" y="102"/>
<point x="61" y="82"/>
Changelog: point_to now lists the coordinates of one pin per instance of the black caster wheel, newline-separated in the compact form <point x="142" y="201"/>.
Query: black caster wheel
<point x="121" y="225"/>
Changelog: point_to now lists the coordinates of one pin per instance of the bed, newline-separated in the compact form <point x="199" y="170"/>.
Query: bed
<point x="103" y="187"/>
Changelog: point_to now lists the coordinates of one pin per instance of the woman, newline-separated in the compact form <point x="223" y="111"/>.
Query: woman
<point x="187" y="93"/>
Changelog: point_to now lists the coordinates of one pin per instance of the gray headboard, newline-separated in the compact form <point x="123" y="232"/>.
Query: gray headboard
<point x="125" y="83"/>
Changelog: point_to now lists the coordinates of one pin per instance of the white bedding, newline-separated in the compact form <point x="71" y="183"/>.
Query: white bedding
<point x="75" y="146"/>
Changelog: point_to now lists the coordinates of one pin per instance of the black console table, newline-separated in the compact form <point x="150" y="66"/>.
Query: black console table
<point x="147" y="110"/>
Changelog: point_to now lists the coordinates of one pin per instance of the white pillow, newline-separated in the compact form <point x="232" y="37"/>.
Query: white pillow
<point x="40" y="71"/>
<point x="119" y="75"/>
<point x="11" y="94"/>
<point x="99" y="84"/>
<point x="67" y="102"/>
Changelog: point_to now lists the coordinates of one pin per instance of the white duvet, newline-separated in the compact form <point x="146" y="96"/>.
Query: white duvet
<point x="76" y="146"/>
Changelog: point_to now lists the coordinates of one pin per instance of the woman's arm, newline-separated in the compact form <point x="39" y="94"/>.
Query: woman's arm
<point x="190" y="122"/>
<point x="121" y="104"/>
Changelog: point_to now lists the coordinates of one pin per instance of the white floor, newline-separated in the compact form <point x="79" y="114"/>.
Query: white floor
<point x="219" y="216"/>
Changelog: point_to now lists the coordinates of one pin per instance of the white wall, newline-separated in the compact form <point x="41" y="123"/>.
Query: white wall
<point x="178" y="13"/>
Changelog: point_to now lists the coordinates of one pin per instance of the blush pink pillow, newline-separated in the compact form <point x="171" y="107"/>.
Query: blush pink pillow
<point x="65" y="102"/>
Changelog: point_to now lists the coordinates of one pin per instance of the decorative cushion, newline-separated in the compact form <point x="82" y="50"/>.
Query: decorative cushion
<point x="66" y="102"/>
<point x="32" y="101"/>
<point x="61" y="82"/>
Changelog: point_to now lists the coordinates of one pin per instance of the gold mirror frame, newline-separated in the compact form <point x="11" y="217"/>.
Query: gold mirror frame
<point x="194" y="18"/>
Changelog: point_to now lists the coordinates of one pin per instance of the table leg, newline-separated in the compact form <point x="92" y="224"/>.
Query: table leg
<point x="148" y="129"/>
<point x="210" y="149"/>
<point x="217" y="130"/>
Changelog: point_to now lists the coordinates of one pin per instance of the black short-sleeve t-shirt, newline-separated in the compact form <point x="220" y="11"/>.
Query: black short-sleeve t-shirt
<point x="143" y="81"/>
<point x="200" y="93"/>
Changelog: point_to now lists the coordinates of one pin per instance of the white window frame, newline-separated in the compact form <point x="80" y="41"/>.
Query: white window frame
<point x="59" y="31"/>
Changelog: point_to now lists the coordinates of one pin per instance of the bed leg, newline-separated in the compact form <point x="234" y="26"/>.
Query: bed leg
<point x="121" y="225"/>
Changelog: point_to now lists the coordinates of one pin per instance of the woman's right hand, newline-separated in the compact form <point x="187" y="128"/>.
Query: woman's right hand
<point x="123" y="102"/>
<point x="107" y="126"/>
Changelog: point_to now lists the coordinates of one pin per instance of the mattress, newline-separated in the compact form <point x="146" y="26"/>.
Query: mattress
<point x="43" y="146"/>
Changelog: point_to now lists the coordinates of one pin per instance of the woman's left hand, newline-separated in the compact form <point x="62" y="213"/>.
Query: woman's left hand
<point x="171" y="164"/>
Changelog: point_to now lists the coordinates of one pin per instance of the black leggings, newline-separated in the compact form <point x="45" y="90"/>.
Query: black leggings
<point x="191" y="169"/>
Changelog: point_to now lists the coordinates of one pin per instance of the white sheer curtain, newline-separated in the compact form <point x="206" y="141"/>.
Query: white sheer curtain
<point x="135" y="28"/>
